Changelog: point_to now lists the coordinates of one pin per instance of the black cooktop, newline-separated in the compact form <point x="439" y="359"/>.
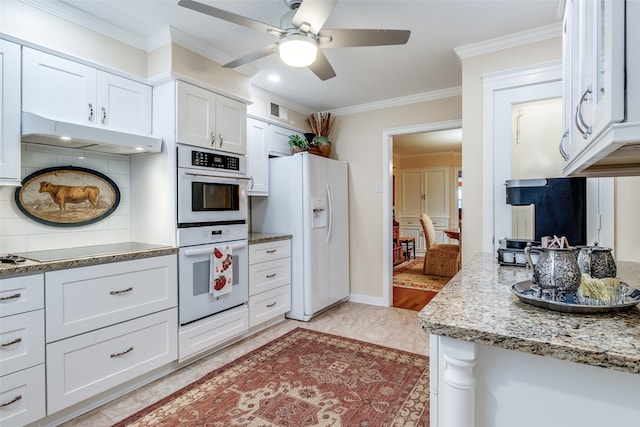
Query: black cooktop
<point x="86" y="251"/>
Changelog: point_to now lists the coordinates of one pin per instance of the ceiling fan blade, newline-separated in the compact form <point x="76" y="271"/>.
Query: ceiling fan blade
<point x="252" y="56"/>
<point x="230" y="17"/>
<point x="358" y="37"/>
<point x="315" y="13"/>
<point x="322" y="68"/>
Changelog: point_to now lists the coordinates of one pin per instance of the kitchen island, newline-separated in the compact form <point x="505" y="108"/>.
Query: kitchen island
<point x="496" y="361"/>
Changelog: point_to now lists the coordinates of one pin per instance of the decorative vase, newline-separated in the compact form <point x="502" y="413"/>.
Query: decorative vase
<point x="310" y="136"/>
<point x="324" y="144"/>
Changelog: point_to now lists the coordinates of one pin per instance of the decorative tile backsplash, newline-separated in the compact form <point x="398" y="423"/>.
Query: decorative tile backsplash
<point x="18" y="233"/>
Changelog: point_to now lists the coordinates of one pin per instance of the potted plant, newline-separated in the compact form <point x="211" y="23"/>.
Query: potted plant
<point x="297" y="144"/>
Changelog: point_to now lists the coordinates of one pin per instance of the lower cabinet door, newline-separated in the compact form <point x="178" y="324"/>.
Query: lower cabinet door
<point x="209" y="333"/>
<point x="22" y="398"/>
<point x="85" y="365"/>
<point x="269" y="305"/>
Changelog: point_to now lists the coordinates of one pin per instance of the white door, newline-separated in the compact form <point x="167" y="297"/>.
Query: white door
<point x="317" y="293"/>
<point x="412" y="194"/>
<point x="338" y="229"/>
<point x="257" y="157"/>
<point x="231" y="125"/>
<point x="57" y="88"/>
<point x="9" y="113"/>
<point x="436" y="194"/>
<point x="196" y="115"/>
<point x="123" y="104"/>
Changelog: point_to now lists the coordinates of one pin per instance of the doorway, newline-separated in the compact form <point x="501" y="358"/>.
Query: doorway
<point x="387" y="190"/>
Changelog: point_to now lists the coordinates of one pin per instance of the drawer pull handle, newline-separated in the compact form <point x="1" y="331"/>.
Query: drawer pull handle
<point x="270" y="276"/>
<point x="14" y="296"/>
<point x="10" y="343"/>
<point x="271" y="251"/>
<point x="122" y="353"/>
<point x="271" y="305"/>
<point x="122" y="291"/>
<point x="14" y="400"/>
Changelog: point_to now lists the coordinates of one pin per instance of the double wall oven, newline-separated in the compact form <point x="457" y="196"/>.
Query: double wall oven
<point x="212" y="213"/>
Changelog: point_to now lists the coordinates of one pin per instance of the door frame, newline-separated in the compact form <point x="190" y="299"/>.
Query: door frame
<point x="387" y="195"/>
<point x="500" y="91"/>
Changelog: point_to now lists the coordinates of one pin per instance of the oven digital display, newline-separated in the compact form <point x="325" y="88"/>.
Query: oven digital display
<point x="214" y="161"/>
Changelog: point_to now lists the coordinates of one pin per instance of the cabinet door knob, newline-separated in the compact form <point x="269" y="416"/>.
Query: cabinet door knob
<point x="584" y="128"/>
<point x="90" y="112"/>
<point x="563" y="152"/>
<point x="220" y="139"/>
<point x="213" y="139"/>
<point x="104" y="116"/>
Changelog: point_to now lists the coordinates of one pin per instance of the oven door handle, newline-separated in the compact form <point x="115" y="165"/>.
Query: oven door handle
<point x="204" y="175"/>
<point x="195" y="252"/>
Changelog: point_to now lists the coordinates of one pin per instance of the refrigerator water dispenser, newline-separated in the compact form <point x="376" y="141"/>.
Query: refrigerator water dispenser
<point x="319" y="213"/>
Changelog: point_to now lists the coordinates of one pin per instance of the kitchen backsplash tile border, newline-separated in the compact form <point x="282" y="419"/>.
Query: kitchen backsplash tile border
<point x="20" y="234"/>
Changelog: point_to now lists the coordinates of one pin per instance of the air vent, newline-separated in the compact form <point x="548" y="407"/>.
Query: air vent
<point x="278" y="111"/>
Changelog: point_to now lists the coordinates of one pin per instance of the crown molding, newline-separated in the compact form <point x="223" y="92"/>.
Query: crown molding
<point x="512" y="40"/>
<point x="68" y="13"/>
<point x="400" y="101"/>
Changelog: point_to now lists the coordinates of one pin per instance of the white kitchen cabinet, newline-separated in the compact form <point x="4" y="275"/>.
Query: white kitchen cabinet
<point x="9" y="113"/>
<point x="258" y="157"/>
<point x="68" y="91"/>
<point x="601" y="101"/>
<point x="413" y="228"/>
<point x="425" y="191"/>
<point x="107" y="324"/>
<point x="269" y="281"/>
<point x="22" y="354"/>
<point x="207" y="119"/>
<point x="279" y="140"/>
<point x="85" y="365"/>
<point x="87" y="298"/>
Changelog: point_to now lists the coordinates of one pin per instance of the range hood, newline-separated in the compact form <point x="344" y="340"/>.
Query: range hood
<point x="41" y="130"/>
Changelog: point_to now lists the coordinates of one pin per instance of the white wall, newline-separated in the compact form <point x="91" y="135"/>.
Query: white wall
<point x="18" y="233"/>
<point x="358" y="140"/>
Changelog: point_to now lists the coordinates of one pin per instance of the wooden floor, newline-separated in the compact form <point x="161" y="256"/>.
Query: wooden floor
<point x="411" y="299"/>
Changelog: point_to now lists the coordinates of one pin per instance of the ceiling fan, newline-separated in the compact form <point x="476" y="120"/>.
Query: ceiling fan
<point x="301" y="42"/>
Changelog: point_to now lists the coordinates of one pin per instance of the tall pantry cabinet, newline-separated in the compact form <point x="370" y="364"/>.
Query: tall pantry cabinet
<point x="426" y="190"/>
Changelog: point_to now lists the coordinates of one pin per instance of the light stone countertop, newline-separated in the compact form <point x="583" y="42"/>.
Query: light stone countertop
<point x="477" y="305"/>
<point x="255" y="238"/>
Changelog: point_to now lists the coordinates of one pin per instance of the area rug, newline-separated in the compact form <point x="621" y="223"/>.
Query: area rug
<point x="304" y="378"/>
<point x="409" y="275"/>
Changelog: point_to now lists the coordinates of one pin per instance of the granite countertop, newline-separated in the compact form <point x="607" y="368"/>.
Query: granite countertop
<point x="477" y="305"/>
<point x="56" y="259"/>
<point x="255" y="238"/>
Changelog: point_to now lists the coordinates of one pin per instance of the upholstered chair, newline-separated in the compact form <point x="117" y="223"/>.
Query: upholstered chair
<point x="439" y="259"/>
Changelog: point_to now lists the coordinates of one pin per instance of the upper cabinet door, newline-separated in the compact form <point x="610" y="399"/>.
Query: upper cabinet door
<point x="412" y="194"/>
<point x="231" y="125"/>
<point x="209" y="120"/>
<point x="437" y="190"/>
<point x="124" y="104"/>
<point x="57" y="88"/>
<point x="257" y="157"/>
<point x="9" y="113"/>
<point x="196" y="115"/>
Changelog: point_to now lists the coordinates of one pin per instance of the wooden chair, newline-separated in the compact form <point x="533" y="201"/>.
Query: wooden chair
<point x="439" y="259"/>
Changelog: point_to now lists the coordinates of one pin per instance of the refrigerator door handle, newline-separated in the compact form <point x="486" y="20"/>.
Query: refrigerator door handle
<point x="330" y="199"/>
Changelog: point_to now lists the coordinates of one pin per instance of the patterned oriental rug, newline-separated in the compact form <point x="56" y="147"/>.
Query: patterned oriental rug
<point x="409" y="275"/>
<point x="304" y="378"/>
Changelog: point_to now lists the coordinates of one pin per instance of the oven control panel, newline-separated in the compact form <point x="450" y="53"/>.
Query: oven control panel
<point x="203" y="235"/>
<point x="214" y="161"/>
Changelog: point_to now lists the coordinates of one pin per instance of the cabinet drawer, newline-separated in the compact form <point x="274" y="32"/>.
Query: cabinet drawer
<point x="440" y="222"/>
<point x="21" y="341"/>
<point x="409" y="222"/>
<point x="88" y="364"/>
<point x="22" y="398"/>
<point x="261" y="252"/>
<point x="269" y="305"/>
<point x="87" y="298"/>
<point x="20" y="294"/>
<point x="213" y="331"/>
<point x="269" y="275"/>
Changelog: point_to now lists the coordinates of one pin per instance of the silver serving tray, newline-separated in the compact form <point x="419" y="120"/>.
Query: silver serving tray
<point x="523" y="291"/>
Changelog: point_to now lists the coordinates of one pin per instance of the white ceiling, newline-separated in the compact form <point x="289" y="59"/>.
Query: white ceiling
<point x="365" y="75"/>
<point x="437" y="141"/>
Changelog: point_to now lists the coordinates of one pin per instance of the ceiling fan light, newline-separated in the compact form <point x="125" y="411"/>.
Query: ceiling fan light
<point x="298" y="50"/>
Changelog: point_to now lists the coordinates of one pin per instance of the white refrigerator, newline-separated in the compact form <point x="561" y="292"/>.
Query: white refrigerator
<point x="309" y="199"/>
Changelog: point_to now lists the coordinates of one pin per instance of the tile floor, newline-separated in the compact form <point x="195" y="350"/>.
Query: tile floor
<point x="391" y="327"/>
